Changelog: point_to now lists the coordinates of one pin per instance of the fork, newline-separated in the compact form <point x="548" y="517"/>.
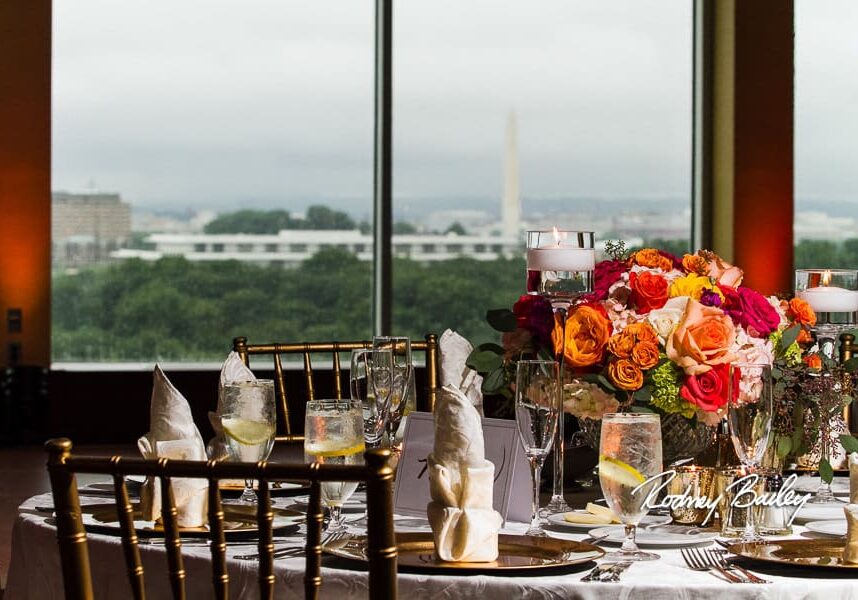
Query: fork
<point x="697" y="561"/>
<point x="719" y="557"/>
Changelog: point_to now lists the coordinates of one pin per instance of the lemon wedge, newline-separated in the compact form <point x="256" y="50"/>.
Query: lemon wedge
<point x="586" y="518"/>
<point x="602" y="511"/>
<point x="330" y="449"/>
<point x="616" y="470"/>
<point x="247" y="432"/>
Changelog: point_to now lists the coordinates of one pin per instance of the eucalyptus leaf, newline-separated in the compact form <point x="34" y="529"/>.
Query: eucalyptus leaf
<point x="494" y="382"/>
<point x="784" y="445"/>
<point x="790" y="336"/>
<point x="484" y="361"/>
<point x="502" y="319"/>
<point x="491" y="347"/>
<point x="603" y="381"/>
<point x="849" y="443"/>
<point x="826" y="473"/>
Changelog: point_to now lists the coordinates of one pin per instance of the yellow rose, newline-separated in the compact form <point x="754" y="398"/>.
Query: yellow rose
<point x="691" y="285"/>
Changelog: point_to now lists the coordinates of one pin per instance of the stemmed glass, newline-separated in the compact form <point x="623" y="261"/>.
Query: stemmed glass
<point x="560" y="267"/>
<point x="537" y="408"/>
<point x="401" y="374"/>
<point x="749" y="419"/>
<point x="629" y="455"/>
<point x="248" y="420"/>
<point x="333" y="434"/>
<point x="369" y="384"/>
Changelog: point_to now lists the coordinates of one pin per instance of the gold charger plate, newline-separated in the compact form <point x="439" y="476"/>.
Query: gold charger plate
<point x="517" y="553"/>
<point x="816" y="554"/>
<point x="238" y="520"/>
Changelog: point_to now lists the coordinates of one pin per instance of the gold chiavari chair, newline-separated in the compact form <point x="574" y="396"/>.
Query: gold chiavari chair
<point x="71" y="536"/>
<point x="239" y="344"/>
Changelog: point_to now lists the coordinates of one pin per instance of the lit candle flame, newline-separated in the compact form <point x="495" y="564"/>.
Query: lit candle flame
<point x="557" y="237"/>
<point x="826" y="278"/>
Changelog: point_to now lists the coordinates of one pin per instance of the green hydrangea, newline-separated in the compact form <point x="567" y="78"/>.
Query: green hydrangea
<point x="666" y="383"/>
<point x="791" y="355"/>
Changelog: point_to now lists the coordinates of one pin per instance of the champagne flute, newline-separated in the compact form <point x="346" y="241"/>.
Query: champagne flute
<point x="749" y="419"/>
<point x="249" y="421"/>
<point x="333" y="434"/>
<point x="537" y="408"/>
<point x="629" y="455"/>
<point x="401" y="375"/>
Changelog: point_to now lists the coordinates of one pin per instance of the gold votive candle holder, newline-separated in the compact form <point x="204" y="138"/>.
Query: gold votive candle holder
<point x="699" y="484"/>
<point x="733" y="518"/>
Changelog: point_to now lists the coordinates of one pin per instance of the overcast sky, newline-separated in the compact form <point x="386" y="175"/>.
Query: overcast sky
<point x="228" y="103"/>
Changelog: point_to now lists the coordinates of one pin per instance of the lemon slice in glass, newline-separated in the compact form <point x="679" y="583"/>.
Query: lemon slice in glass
<point x="247" y="432"/>
<point x="329" y="449"/>
<point x="620" y="472"/>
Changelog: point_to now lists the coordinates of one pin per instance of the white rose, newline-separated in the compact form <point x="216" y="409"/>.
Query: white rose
<point x="664" y="320"/>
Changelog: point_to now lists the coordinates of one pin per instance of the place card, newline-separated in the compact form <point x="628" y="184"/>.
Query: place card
<point x="512" y="489"/>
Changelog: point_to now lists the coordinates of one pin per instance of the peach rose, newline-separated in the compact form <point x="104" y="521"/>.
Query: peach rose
<point x="621" y="344"/>
<point x="625" y="374"/>
<point x="586" y="336"/>
<point x="723" y="272"/>
<point x="652" y="258"/>
<point x="702" y="339"/>
<point x="645" y="355"/>
<point x="694" y="263"/>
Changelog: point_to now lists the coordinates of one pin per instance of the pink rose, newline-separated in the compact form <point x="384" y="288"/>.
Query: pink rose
<point x="534" y="314"/>
<point x="724" y="273"/>
<point x="607" y="273"/>
<point x="702" y="339"/>
<point x="751" y="310"/>
<point x="708" y="390"/>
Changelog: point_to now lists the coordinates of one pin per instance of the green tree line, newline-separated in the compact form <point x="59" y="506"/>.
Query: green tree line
<point x="272" y="221"/>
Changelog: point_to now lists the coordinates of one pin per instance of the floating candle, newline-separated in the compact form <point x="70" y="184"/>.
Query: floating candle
<point x="560" y="258"/>
<point x="830" y="299"/>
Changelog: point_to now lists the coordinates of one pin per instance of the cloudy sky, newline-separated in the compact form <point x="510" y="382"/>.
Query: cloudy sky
<point x="269" y="102"/>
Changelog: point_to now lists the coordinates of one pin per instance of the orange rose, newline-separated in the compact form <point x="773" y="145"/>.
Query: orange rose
<point x="694" y="263"/>
<point x="642" y="331"/>
<point x="625" y="374"/>
<point x="813" y="361"/>
<point x="621" y="344"/>
<point x="702" y="339"/>
<point x="587" y="333"/>
<point x="649" y="291"/>
<point x="650" y="257"/>
<point x="800" y="311"/>
<point x="804" y="336"/>
<point x="645" y="355"/>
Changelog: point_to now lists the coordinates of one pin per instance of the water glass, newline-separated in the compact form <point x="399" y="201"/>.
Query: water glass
<point x="333" y="434"/>
<point x="537" y="409"/>
<point x="369" y="377"/>
<point x="749" y="419"/>
<point x="248" y="419"/>
<point x="629" y="455"/>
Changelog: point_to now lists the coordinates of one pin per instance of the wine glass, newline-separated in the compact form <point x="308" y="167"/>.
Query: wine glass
<point x="333" y="435"/>
<point x="369" y="384"/>
<point x="401" y="374"/>
<point x="248" y="420"/>
<point x="629" y="456"/>
<point x="560" y="267"/>
<point x="749" y="419"/>
<point x="537" y="408"/>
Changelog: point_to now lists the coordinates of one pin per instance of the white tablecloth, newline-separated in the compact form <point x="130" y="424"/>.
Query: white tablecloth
<point x="34" y="574"/>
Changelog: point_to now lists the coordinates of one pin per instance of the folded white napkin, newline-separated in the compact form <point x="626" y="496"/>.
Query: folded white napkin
<point x="461" y="482"/>
<point x="850" y="552"/>
<point x="172" y="434"/>
<point x="454" y="351"/>
<point x="233" y="369"/>
<point x="853" y="478"/>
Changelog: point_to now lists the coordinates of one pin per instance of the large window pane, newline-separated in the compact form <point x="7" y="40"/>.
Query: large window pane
<point x="826" y="127"/>
<point x="169" y="118"/>
<point x="569" y="113"/>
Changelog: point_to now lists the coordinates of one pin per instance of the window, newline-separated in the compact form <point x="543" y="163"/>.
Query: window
<point x="508" y="117"/>
<point x="197" y="121"/>
<point x="826" y="127"/>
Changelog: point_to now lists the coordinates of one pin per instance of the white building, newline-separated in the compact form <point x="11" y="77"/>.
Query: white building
<point x="290" y="247"/>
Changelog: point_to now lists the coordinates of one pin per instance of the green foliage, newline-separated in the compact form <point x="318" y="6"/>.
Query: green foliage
<point x="810" y="254"/>
<point x="173" y="309"/>
<point x="403" y="228"/>
<point x="675" y="247"/>
<point x="456" y="228"/>
<point x="272" y="221"/>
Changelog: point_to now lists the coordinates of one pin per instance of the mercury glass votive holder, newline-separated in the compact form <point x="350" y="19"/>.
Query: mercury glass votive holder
<point x="698" y="482"/>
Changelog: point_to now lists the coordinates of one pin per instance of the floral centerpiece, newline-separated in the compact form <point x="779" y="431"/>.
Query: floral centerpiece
<point x="657" y="334"/>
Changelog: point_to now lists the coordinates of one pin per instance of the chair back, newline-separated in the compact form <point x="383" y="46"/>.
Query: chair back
<point x="426" y="401"/>
<point x="71" y="535"/>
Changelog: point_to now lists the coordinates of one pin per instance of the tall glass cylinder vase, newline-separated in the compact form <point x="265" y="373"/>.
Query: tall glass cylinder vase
<point x="833" y="296"/>
<point x="560" y="267"/>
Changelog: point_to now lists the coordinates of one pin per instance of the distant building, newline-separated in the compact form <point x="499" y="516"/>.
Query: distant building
<point x="86" y="228"/>
<point x="292" y="246"/>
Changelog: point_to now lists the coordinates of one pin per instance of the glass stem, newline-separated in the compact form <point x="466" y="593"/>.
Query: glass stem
<point x="824" y="450"/>
<point x="248" y="495"/>
<point x="557" y="488"/>
<point x="535" y="473"/>
<point x="336" y="518"/>
<point x="629" y="544"/>
<point x="750" y="532"/>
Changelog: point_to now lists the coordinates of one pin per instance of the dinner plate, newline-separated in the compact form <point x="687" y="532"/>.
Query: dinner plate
<point x="660" y="536"/>
<point x="820" y="512"/>
<point x="807" y="484"/>
<point x="835" y="528"/>
<point x="517" y="554"/>
<point x="648" y="521"/>
<point x="239" y="519"/>
<point x="813" y="554"/>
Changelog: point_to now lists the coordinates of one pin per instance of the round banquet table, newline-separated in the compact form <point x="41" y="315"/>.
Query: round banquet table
<point x="34" y="573"/>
